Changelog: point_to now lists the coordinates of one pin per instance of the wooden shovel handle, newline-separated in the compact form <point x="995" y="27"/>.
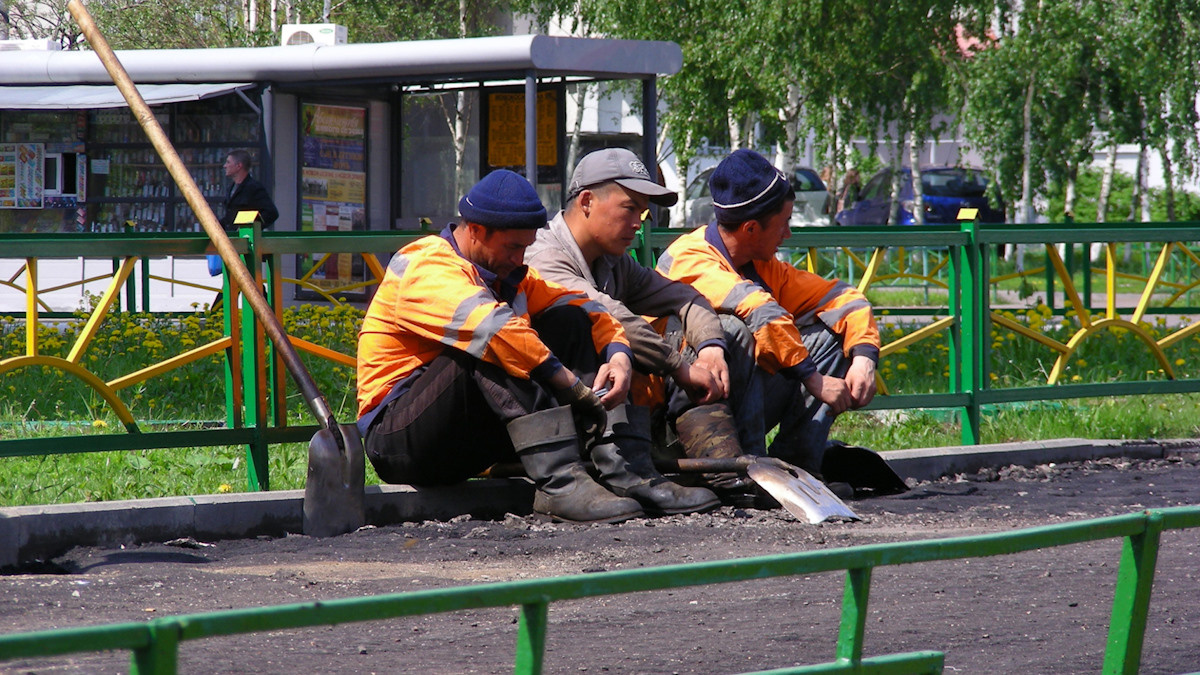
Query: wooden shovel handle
<point x="191" y="192"/>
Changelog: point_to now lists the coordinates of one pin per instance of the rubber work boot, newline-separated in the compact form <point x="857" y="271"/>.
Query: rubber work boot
<point x="709" y="431"/>
<point x="623" y="458"/>
<point x="547" y="444"/>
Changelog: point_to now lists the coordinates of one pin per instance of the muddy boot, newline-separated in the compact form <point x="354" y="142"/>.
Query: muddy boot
<point x="623" y="458"/>
<point x="709" y="431"/>
<point x="547" y="444"/>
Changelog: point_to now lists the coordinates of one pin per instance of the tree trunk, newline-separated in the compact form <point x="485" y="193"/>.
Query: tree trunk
<point x="1144" y="180"/>
<point x="1027" y="154"/>
<point x="914" y="160"/>
<point x="3" y="20"/>
<point x="1110" y="168"/>
<point x="1069" y="190"/>
<point x="894" y="211"/>
<point x="1169" y="181"/>
<point x="789" y="117"/>
<point x="1136" y="199"/>
<point x="835" y="148"/>
<point x="580" y="97"/>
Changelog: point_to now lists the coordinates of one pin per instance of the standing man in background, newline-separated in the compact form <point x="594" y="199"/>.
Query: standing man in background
<point x="245" y="193"/>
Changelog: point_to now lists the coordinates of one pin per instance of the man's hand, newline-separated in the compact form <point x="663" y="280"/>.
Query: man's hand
<point x="616" y="376"/>
<point x="861" y="380"/>
<point x="589" y="411"/>
<point x="712" y="359"/>
<point x="701" y="386"/>
<point x="830" y="390"/>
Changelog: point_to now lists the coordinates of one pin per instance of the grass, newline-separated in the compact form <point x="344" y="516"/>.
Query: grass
<point x="38" y="401"/>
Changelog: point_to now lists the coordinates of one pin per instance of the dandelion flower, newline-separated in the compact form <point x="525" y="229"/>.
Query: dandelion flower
<point x="99" y="424"/>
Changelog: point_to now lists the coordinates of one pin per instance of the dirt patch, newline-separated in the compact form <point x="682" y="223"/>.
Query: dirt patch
<point x="1045" y="611"/>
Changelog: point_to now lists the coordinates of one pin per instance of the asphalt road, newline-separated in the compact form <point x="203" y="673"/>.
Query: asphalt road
<point x="1045" y="611"/>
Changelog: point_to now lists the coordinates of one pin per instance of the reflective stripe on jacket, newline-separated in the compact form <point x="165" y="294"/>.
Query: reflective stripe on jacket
<point x="772" y="298"/>
<point x="432" y="298"/>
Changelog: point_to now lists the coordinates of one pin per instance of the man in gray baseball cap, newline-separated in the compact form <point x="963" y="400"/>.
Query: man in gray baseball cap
<point x="623" y="168"/>
<point x="584" y="249"/>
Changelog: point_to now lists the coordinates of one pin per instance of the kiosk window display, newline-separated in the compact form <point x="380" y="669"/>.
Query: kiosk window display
<point x="95" y="170"/>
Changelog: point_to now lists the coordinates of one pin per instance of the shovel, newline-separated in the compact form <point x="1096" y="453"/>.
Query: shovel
<point x="333" y="493"/>
<point x="796" y="490"/>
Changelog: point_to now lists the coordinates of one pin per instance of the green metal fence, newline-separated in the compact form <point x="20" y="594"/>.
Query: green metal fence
<point x="155" y="645"/>
<point x="960" y="261"/>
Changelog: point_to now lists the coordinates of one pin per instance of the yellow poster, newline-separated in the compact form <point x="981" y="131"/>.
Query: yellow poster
<point x="506" y="129"/>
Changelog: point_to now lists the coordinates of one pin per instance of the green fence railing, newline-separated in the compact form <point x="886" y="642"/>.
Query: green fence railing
<point x="961" y="262"/>
<point x="155" y="644"/>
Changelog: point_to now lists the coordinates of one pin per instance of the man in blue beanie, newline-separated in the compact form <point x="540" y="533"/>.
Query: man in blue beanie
<point x="467" y="357"/>
<point x="801" y="348"/>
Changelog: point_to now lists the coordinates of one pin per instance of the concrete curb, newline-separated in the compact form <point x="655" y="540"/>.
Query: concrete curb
<point x="31" y="533"/>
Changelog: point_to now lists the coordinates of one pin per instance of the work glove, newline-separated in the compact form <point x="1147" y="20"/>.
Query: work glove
<point x="589" y="411"/>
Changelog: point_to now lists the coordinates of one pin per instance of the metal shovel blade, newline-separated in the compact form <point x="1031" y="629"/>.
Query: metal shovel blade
<point x="799" y="492"/>
<point x="333" y="491"/>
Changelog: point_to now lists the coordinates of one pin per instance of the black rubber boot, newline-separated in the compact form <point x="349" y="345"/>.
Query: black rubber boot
<point x="547" y="444"/>
<point x="623" y="458"/>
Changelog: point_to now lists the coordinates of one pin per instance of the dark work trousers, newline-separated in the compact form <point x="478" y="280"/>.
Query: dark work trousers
<point x="760" y="401"/>
<point x="451" y="423"/>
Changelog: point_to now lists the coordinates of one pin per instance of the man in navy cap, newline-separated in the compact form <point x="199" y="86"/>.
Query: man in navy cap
<point x="466" y="356"/>
<point x="802" y="349"/>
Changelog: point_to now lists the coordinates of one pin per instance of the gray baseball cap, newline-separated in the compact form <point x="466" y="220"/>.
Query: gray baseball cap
<point x="622" y="166"/>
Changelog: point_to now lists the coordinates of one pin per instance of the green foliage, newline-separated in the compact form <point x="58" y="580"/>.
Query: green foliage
<point x="1120" y="204"/>
<point x="180" y="24"/>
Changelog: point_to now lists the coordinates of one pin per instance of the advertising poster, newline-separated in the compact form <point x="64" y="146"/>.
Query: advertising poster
<point x="333" y="186"/>
<point x="21" y="178"/>
<point x="506" y="129"/>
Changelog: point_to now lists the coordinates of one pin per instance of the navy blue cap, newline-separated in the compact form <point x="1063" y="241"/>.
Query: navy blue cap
<point x="503" y="200"/>
<point x="745" y="186"/>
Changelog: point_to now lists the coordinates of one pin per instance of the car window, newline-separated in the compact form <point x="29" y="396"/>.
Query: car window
<point x="807" y="180"/>
<point x="954" y="183"/>
<point x="878" y="187"/>
<point x="699" y="186"/>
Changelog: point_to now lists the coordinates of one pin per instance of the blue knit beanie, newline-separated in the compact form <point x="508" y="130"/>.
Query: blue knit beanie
<point x="745" y="186"/>
<point x="503" y="200"/>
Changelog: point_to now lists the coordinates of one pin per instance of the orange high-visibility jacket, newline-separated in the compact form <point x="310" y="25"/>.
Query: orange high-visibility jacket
<point x="432" y="298"/>
<point x="773" y="298"/>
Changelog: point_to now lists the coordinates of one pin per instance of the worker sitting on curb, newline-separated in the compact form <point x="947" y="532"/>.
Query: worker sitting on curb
<point x="584" y="249"/>
<point x="459" y="361"/>
<point x="802" y="349"/>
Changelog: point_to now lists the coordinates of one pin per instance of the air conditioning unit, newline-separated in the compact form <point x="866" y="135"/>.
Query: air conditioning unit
<point x="309" y="33"/>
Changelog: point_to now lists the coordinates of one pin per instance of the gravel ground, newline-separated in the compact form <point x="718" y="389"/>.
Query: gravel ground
<point x="1045" y="611"/>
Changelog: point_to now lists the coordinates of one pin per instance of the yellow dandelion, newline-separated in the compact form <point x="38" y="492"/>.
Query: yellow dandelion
<point x="1179" y="362"/>
<point x="1076" y="378"/>
<point x="99" y="424"/>
<point x="224" y="488"/>
<point x="1081" y="363"/>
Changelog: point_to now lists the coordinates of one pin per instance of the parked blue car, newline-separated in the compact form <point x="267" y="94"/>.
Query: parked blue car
<point x="946" y="190"/>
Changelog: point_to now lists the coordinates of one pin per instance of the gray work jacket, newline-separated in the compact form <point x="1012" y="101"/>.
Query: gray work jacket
<point x="628" y="291"/>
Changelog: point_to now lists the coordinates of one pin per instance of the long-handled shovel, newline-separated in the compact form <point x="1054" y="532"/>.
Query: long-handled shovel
<point x="333" y="494"/>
